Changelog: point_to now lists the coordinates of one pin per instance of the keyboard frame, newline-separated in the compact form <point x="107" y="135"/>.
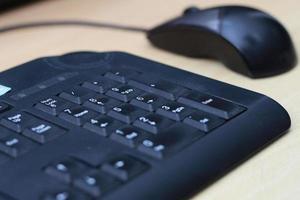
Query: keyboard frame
<point x="178" y="176"/>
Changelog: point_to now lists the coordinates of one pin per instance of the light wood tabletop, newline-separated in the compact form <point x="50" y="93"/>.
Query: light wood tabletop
<point x="272" y="174"/>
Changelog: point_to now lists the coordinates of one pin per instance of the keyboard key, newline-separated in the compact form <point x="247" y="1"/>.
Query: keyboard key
<point x="65" y="170"/>
<point x="170" y="141"/>
<point x="128" y="135"/>
<point x="101" y="103"/>
<point x="42" y="131"/>
<point x="168" y="90"/>
<point x="126" y="113"/>
<point x="15" y="145"/>
<point x="203" y="121"/>
<point x="17" y="121"/>
<point x="94" y="156"/>
<point x="121" y="75"/>
<point x="76" y="115"/>
<point x="4" y="107"/>
<point x="123" y="93"/>
<point x="174" y="110"/>
<point x="153" y="123"/>
<point x="51" y="105"/>
<point x="100" y="85"/>
<point x="65" y="195"/>
<point x="76" y="95"/>
<point x="124" y="167"/>
<point x="96" y="183"/>
<point x="148" y="101"/>
<point x="162" y="88"/>
<point x="211" y="104"/>
<point x="102" y="125"/>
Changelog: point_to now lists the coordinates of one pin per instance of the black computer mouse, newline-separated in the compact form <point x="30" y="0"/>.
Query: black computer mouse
<point x="245" y="39"/>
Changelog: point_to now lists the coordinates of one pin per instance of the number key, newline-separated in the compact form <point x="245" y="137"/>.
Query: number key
<point x="124" y="167"/>
<point x="174" y="110"/>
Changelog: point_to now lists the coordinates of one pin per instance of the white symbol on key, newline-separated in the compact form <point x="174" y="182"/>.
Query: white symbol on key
<point x="68" y="111"/>
<point x="94" y="121"/>
<point x="204" y="121"/>
<point x="127" y="91"/>
<point x="93" y="100"/>
<point x="207" y="101"/>
<point x="140" y="98"/>
<point x="115" y="89"/>
<point x="119" y="132"/>
<point x="119" y="164"/>
<point x="12" y="142"/>
<point x="131" y="135"/>
<point x="159" y="147"/>
<point x="62" y="196"/>
<point x="145" y="120"/>
<point x="41" y="128"/>
<point x="16" y="118"/>
<point x="150" y="101"/>
<point x="178" y="110"/>
<point x="166" y="107"/>
<point x="148" y="143"/>
<point x="61" y="167"/>
<point x="90" y="180"/>
<point x="103" y="125"/>
<point x="117" y="109"/>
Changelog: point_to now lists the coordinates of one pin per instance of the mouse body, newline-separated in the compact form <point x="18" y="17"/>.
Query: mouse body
<point x="245" y="39"/>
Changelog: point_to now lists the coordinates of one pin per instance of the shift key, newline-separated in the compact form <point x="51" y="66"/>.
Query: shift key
<point x="211" y="104"/>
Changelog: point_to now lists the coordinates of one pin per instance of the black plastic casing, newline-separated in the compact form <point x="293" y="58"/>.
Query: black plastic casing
<point x="246" y="40"/>
<point x="176" y="177"/>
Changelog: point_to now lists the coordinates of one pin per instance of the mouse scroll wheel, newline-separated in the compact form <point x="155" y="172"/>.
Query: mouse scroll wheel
<point x="191" y="10"/>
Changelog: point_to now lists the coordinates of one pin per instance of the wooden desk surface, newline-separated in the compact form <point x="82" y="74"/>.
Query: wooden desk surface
<point x="273" y="174"/>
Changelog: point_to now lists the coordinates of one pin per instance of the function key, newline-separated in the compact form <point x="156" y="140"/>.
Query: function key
<point x="102" y="125"/>
<point x="15" y="145"/>
<point x="65" y="195"/>
<point x="121" y="75"/>
<point x="148" y="101"/>
<point x="162" y="88"/>
<point x="101" y="103"/>
<point x="174" y="110"/>
<point x="153" y="123"/>
<point x="76" y="115"/>
<point x="128" y="135"/>
<point x="100" y="85"/>
<point x="4" y="107"/>
<point x="65" y="170"/>
<point x="17" y="121"/>
<point x="203" y="121"/>
<point x="42" y="131"/>
<point x="126" y="113"/>
<point x="214" y="105"/>
<point x="170" y="141"/>
<point x="51" y="105"/>
<point x="76" y="95"/>
<point x="96" y="183"/>
<point x="168" y="90"/>
<point x="124" y="167"/>
<point x="123" y="93"/>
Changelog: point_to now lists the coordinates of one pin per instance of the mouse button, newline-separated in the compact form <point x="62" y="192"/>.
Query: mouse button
<point x="208" y="19"/>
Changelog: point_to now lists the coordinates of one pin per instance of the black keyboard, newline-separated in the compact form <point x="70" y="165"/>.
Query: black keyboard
<point x="114" y="126"/>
